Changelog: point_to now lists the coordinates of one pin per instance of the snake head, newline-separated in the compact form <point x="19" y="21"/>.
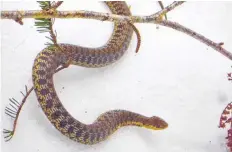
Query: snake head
<point x="156" y="123"/>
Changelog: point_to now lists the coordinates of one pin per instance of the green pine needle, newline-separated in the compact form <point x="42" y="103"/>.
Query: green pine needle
<point x="45" y="5"/>
<point x="49" y="44"/>
<point x="43" y="25"/>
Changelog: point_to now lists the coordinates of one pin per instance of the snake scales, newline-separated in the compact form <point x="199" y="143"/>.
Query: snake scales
<point x="49" y="59"/>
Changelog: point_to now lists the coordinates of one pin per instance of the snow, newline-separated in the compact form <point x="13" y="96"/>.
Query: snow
<point x="173" y="76"/>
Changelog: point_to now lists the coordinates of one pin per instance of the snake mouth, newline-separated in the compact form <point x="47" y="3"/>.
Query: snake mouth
<point x="155" y="127"/>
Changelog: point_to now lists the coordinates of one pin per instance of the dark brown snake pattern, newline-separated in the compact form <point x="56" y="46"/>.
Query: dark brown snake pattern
<point x="49" y="59"/>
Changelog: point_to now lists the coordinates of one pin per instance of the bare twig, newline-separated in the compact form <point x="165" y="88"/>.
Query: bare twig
<point x="89" y="15"/>
<point x="55" y="5"/>
<point x="154" y="18"/>
<point x="216" y="46"/>
<point x="162" y="7"/>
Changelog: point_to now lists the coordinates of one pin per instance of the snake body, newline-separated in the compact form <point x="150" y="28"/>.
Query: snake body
<point x="50" y="58"/>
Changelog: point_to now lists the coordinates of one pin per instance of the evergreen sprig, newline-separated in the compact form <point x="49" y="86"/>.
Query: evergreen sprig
<point x="45" y="24"/>
<point x="45" y="5"/>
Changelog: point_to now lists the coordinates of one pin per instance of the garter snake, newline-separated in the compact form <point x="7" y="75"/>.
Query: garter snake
<point x="50" y="58"/>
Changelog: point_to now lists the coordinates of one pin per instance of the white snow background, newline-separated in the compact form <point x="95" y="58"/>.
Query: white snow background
<point x="173" y="76"/>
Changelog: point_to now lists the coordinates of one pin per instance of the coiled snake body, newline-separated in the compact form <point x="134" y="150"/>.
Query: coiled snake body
<point x="49" y="59"/>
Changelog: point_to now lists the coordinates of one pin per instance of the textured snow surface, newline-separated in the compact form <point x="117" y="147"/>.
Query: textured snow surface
<point x="173" y="76"/>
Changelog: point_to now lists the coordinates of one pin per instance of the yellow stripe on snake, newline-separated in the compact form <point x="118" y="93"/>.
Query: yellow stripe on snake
<point x="49" y="59"/>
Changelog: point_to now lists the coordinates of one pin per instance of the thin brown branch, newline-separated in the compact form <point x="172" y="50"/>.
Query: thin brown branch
<point x="162" y="7"/>
<point x="88" y="14"/>
<point x="23" y="101"/>
<point x="154" y="18"/>
<point x="53" y="34"/>
<point x="55" y="5"/>
<point x="217" y="46"/>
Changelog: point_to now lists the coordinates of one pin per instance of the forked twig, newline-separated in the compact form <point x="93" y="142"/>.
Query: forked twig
<point x="154" y="18"/>
<point x="162" y="7"/>
<point x="137" y="31"/>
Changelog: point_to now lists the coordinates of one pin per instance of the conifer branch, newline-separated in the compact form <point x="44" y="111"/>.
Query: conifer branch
<point x="155" y="18"/>
<point x="88" y="15"/>
<point x="46" y="24"/>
